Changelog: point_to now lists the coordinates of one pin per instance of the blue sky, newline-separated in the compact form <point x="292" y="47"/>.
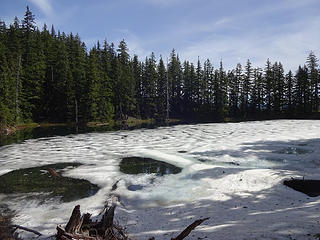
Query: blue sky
<point x="231" y="30"/>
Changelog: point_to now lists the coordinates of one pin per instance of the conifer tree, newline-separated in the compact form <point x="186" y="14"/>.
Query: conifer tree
<point x="150" y="78"/>
<point x="7" y="91"/>
<point x="175" y="84"/>
<point x="233" y="94"/>
<point x="138" y="83"/>
<point x="188" y="89"/>
<point x="289" y="86"/>
<point x="161" y="90"/>
<point x="302" y="91"/>
<point x="268" y="86"/>
<point x="125" y="85"/>
<point x="197" y="88"/>
<point x="246" y="89"/>
<point x="256" y="95"/>
<point x="206" y="86"/>
<point x="313" y="76"/>
<point x="221" y="92"/>
<point x="106" y="108"/>
<point x="95" y="81"/>
<point x="278" y="79"/>
<point x="33" y="63"/>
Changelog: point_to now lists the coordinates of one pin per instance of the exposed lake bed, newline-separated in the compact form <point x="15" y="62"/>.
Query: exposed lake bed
<point x="239" y="183"/>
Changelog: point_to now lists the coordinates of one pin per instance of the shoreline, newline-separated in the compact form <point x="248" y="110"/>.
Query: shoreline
<point x="130" y="122"/>
<point x="136" y="122"/>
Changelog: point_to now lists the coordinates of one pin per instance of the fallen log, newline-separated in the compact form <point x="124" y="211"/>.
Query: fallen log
<point x="25" y="229"/>
<point x="191" y="227"/>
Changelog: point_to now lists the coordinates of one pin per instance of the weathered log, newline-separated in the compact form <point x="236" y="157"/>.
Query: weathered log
<point x="78" y="228"/>
<point x="25" y="229"/>
<point x="63" y="235"/>
<point x="187" y="231"/>
<point x="82" y="227"/>
<point x="107" y="220"/>
<point x="86" y="219"/>
<point x="74" y="220"/>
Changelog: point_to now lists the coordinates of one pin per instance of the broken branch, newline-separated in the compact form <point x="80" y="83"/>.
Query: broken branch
<point x="187" y="231"/>
<point x="25" y="229"/>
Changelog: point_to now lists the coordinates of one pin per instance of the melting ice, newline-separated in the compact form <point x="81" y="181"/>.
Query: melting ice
<point x="205" y="152"/>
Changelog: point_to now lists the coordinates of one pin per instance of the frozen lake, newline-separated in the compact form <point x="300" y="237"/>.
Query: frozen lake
<point x="231" y="172"/>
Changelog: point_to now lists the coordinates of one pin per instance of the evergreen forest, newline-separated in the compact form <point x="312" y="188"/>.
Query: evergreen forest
<point x="50" y="76"/>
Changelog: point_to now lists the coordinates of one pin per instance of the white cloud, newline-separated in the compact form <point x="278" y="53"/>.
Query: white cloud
<point x="235" y="39"/>
<point x="44" y="5"/>
<point x="290" y="45"/>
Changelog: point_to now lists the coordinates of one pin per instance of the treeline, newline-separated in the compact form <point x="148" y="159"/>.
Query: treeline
<point x="51" y="76"/>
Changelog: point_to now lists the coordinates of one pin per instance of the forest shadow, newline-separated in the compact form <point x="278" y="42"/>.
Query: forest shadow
<point x="294" y="154"/>
<point x="275" y="212"/>
<point x="266" y="214"/>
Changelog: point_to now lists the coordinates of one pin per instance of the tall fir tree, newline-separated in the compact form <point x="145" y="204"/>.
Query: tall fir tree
<point x="137" y="70"/>
<point x="161" y="90"/>
<point x="246" y="89"/>
<point x="302" y="92"/>
<point x="289" y="86"/>
<point x="313" y="76"/>
<point x="175" y="84"/>
<point x="150" y="78"/>
<point x="125" y="85"/>
<point x="278" y="88"/>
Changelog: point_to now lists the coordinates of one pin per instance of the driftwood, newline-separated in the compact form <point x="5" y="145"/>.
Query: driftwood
<point x="74" y="220"/>
<point x="84" y="228"/>
<point x="188" y="230"/>
<point x="15" y="227"/>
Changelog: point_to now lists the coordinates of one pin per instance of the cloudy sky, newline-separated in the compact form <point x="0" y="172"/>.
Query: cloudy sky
<point x="231" y="30"/>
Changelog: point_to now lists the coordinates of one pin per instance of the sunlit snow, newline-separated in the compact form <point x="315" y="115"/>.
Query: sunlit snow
<point x="232" y="173"/>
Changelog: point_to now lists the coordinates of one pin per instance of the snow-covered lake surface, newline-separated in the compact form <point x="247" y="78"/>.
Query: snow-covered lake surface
<point x="232" y="173"/>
